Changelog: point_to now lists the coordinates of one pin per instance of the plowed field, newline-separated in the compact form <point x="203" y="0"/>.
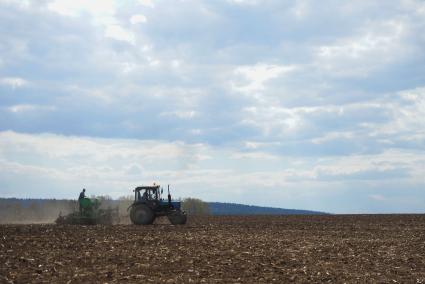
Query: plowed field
<point x="280" y="249"/>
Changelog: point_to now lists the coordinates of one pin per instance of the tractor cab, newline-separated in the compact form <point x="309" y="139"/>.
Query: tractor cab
<point x="145" y="193"/>
<point x="152" y="196"/>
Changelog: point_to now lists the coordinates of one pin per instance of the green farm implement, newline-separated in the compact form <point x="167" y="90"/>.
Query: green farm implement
<point x="90" y="213"/>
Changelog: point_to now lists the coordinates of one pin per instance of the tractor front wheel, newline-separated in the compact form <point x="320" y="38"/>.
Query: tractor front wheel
<point x="142" y="215"/>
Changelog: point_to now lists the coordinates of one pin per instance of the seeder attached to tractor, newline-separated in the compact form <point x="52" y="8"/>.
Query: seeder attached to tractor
<point x="90" y="213"/>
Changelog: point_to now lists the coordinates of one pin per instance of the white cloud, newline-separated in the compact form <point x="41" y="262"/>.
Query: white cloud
<point x="244" y="2"/>
<point x="27" y="108"/>
<point x="332" y="136"/>
<point x="181" y="114"/>
<point x="408" y="114"/>
<point x="258" y="156"/>
<point x="415" y="6"/>
<point x="114" y="166"/>
<point x="13" y="82"/>
<point x="373" y="48"/>
<point x="378" y="197"/>
<point x="147" y="3"/>
<point x="119" y="33"/>
<point x="254" y="77"/>
<point x="21" y="3"/>
<point x="274" y="121"/>
<point x="78" y="7"/>
<point x="102" y="12"/>
<point x="137" y="19"/>
<point x="301" y="9"/>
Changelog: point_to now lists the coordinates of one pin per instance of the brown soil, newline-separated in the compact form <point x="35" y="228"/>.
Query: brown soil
<point x="280" y="249"/>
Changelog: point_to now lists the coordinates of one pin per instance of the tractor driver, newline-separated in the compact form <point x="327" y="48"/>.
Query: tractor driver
<point x="82" y="194"/>
<point x="144" y="197"/>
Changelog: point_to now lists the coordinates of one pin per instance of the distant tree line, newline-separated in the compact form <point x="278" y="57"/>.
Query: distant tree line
<point x="194" y="206"/>
<point x="218" y="208"/>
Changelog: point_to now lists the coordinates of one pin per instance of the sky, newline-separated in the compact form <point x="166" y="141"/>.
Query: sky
<point x="315" y="105"/>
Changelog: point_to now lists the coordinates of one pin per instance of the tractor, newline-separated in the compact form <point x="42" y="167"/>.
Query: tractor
<point x="149" y="204"/>
<point x="90" y="213"/>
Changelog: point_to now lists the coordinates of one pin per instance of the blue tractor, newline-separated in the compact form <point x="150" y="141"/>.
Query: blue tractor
<point x="149" y="204"/>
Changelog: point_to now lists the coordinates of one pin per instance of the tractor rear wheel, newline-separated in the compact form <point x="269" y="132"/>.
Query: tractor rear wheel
<point x="142" y="215"/>
<point x="177" y="218"/>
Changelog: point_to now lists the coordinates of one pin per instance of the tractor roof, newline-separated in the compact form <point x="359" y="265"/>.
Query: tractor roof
<point x="143" y="187"/>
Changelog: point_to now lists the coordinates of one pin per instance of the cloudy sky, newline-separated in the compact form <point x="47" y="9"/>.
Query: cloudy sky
<point x="298" y="104"/>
